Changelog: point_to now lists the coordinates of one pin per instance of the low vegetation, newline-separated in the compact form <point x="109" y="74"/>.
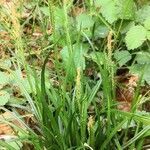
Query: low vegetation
<point x="75" y="74"/>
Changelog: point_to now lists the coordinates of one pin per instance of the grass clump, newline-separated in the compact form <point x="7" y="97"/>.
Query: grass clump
<point x="64" y="61"/>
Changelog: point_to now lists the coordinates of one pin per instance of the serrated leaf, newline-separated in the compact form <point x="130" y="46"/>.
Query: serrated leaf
<point x="4" y="97"/>
<point x="135" y="37"/>
<point x="143" y="58"/>
<point x="84" y="21"/>
<point x="143" y="13"/>
<point x="109" y="10"/>
<point x="122" y="57"/>
<point x="126" y="9"/>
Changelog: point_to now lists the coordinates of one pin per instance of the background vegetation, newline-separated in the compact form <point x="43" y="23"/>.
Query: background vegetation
<point x="61" y="65"/>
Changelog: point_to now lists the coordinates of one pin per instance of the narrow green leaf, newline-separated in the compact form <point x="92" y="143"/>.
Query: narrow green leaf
<point x="137" y="136"/>
<point x="114" y="131"/>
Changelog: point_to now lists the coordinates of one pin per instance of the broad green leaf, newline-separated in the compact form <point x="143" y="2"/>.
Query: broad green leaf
<point x="4" y="97"/>
<point x="101" y="31"/>
<point x="135" y="37"/>
<point x="78" y="55"/>
<point x="126" y="26"/>
<point x="143" y="58"/>
<point x="58" y="15"/>
<point x="126" y="9"/>
<point x="108" y="10"/>
<point x="122" y="57"/>
<point x="143" y="13"/>
<point x="79" y="59"/>
<point x="97" y="57"/>
<point x="112" y="10"/>
<point x="147" y="24"/>
<point x="148" y="35"/>
<point x="84" y="21"/>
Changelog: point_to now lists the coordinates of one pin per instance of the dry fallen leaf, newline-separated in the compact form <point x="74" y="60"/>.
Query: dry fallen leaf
<point x="77" y="11"/>
<point x="5" y="128"/>
<point x="125" y="91"/>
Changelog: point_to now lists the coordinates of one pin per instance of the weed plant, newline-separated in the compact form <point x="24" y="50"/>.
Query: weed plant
<point x="68" y="113"/>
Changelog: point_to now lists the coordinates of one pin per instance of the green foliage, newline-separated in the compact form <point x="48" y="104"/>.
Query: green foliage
<point x="126" y="9"/>
<point x="4" y="78"/>
<point x="142" y="70"/>
<point x="78" y="55"/>
<point x="109" y="10"/>
<point x="135" y="37"/>
<point x="148" y="35"/>
<point x="147" y="24"/>
<point x="71" y="108"/>
<point x="114" y="10"/>
<point x="122" y="57"/>
<point x="101" y="31"/>
<point x="143" y="58"/>
<point x="143" y="13"/>
<point x="97" y="57"/>
<point x="45" y="11"/>
<point x="84" y="21"/>
<point x="4" y="97"/>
